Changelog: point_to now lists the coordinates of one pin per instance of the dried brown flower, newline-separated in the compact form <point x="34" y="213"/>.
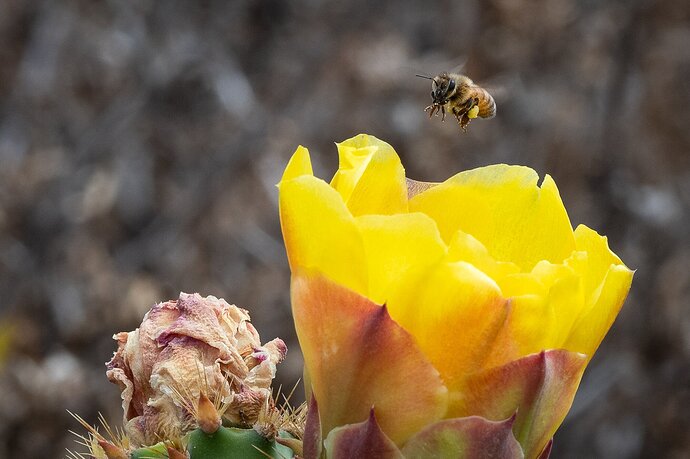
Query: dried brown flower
<point x="185" y="348"/>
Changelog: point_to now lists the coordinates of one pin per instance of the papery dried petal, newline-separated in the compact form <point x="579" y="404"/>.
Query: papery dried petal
<point x="184" y="349"/>
<point x="262" y="363"/>
<point x="246" y="405"/>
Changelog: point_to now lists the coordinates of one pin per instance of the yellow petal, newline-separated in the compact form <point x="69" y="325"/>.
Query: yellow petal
<point x="530" y="326"/>
<point x="370" y="177"/>
<point x="299" y="164"/>
<point x="520" y="284"/>
<point x="565" y="297"/>
<point x="396" y="246"/>
<point x="455" y="312"/>
<point x="464" y="247"/>
<point x="589" y="330"/>
<point x="320" y="233"/>
<point x="606" y="282"/>
<point x="503" y="208"/>
<point x="598" y="260"/>
<point x="544" y="306"/>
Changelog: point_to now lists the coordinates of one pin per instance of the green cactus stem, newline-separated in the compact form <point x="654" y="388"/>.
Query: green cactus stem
<point x="156" y="451"/>
<point x="226" y="443"/>
<point x="231" y="443"/>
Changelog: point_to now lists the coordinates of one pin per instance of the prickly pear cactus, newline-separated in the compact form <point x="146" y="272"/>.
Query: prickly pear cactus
<point x="196" y="384"/>
<point x="225" y="443"/>
<point x="231" y="443"/>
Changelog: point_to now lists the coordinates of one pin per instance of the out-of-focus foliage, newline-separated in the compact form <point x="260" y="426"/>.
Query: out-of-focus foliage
<point x="140" y="144"/>
<point x="6" y="334"/>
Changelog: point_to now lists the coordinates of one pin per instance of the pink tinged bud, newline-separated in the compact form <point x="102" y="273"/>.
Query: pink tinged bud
<point x="175" y="454"/>
<point x="207" y="416"/>
<point x="111" y="451"/>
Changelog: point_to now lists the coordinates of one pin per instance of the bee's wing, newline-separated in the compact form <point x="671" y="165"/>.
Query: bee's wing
<point x="501" y="87"/>
<point x="458" y="67"/>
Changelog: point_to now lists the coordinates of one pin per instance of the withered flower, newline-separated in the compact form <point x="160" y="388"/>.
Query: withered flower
<point x="185" y="348"/>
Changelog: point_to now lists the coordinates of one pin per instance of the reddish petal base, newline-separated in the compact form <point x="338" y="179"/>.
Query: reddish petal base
<point x="357" y="358"/>
<point x="471" y="437"/>
<point x="546" y="452"/>
<point x="364" y="440"/>
<point x="312" y="440"/>
<point x="540" y="388"/>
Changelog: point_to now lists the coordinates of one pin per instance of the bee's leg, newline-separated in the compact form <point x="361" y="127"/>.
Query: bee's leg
<point x="459" y="113"/>
<point x="432" y="109"/>
<point x="443" y="113"/>
<point x="464" y="121"/>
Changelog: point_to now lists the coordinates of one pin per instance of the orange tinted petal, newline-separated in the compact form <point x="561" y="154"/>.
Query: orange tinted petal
<point x="357" y="357"/>
<point x="454" y="312"/>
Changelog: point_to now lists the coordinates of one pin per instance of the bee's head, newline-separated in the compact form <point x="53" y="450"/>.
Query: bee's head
<point x="442" y="88"/>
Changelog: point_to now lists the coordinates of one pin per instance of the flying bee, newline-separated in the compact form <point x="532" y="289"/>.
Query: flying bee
<point x="458" y="95"/>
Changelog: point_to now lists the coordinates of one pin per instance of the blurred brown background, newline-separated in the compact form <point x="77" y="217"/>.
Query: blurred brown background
<point x="140" y="143"/>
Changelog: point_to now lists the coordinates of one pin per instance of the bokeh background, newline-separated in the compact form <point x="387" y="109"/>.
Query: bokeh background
<point x="140" y="143"/>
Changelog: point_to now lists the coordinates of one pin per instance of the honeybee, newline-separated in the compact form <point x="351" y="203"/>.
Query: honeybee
<point x="460" y="96"/>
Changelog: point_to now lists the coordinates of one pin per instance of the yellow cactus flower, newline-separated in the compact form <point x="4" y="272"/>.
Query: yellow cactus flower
<point x="432" y="302"/>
